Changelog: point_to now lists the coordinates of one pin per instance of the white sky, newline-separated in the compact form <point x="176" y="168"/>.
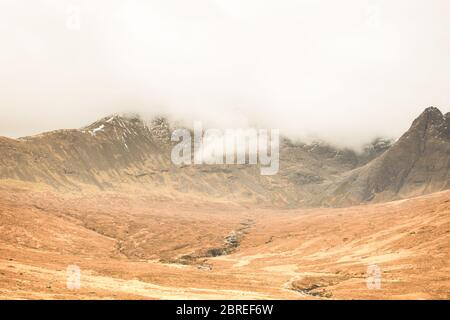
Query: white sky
<point x="344" y="71"/>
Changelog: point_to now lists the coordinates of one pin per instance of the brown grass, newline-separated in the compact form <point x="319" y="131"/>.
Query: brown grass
<point x="137" y="247"/>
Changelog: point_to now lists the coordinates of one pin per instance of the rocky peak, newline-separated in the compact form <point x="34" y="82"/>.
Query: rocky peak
<point x="430" y="123"/>
<point x="447" y="125"/>
<point x="429" y="117"/>
<point x="125" y="121"/>
<point x="160" y="129"/>
<point x="378" y="145"/>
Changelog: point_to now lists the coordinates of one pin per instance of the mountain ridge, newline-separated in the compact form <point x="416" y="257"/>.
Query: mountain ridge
<point x="418" y="163"/>
<point x="124" y="150"/>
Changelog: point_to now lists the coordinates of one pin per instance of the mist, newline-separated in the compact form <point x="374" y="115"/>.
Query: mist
<point x="342" y="71"/>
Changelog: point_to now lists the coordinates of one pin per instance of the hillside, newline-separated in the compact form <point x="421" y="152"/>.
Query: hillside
<point x="418" y="163"/>
<point x="131" y="247"/>
<point x="127" y="153"/>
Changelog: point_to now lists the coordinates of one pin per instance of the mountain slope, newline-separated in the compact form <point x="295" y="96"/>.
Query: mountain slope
<point x="418" y="163"/>
<point x="132" y="247"/>
<point x="128" y="154"/>
<point x="123" y="152"/>
<point x="95" y="155"/>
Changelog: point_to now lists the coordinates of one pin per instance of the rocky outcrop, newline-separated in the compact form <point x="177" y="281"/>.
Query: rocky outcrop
<point x="418" y="163"/>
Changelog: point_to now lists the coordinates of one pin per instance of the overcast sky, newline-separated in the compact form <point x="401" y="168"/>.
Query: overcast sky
<point x="345" y="71"/>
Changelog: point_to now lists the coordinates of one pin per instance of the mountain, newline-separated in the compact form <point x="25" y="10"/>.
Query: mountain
<point x="96" y="155"/>
<point x="126" y="153"/>
<point x="418" y="163"/>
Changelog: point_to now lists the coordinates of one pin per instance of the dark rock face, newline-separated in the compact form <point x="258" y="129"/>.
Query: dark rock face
<point x="418" y="163"/>
<point x="447" y="124"/>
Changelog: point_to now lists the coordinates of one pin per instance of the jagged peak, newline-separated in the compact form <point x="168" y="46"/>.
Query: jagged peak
<point x="130" y="123"/>
<point x="433" y="110"/>
<point x="432" y="113"/>
<point x="160" y="128"/>
<point x="117" y="125"/>
<point x="133" y="119"/>
<point x="430" y="117"/>
<point x="378" y="144"/>
<point x="430" y="124"/>
<point x="125" y="118"/>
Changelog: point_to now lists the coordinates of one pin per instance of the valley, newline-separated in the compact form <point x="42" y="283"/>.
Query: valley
<point x="135" y="247"/>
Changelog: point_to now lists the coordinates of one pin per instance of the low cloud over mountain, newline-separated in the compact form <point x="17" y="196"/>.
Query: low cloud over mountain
<point x="123" y="152"/>
<point x="345" y="72"/>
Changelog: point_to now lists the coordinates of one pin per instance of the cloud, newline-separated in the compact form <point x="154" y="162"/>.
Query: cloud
<point x="344" y="71"/>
